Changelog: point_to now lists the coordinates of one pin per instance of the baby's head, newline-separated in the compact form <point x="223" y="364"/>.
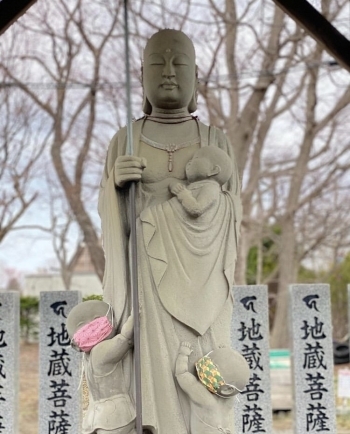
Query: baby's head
<point x="209" y="162"/>
<point x="90" y="323"/>
<point x="224" y="372"/>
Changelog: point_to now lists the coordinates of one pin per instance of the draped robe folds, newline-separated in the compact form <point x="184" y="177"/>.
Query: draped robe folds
<point x="191" y="258"/>
<point x="180" y="312"/>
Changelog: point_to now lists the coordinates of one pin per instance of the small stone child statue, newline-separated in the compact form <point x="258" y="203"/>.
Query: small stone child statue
<point x="207" y="171"/>
<point x="92" y="329"/>
<point x="222" y="374"/>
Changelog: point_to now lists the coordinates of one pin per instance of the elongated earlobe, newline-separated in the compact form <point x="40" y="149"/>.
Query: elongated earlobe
<point x="146" y="105"/>
<point x="192" y="106"/>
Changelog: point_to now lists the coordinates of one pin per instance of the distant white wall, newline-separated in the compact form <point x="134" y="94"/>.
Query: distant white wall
<point x="87" y="283"/>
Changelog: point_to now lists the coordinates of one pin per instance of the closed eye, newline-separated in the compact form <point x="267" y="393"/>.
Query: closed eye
<point x="156" y="59"/>
<point x="181" y="60"/>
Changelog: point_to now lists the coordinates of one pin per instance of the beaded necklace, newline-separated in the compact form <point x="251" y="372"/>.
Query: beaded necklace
<point x="170" y="148"/>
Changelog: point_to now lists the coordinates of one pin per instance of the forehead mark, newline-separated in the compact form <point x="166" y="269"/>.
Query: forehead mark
<point x="168" y="50"/>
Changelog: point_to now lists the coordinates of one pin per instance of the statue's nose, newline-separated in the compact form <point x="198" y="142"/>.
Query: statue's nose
<point x="168" y="70"/>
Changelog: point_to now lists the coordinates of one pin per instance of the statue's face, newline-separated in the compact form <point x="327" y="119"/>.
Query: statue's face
<point x="169" y="70"/>
<point x="83" y="313"/>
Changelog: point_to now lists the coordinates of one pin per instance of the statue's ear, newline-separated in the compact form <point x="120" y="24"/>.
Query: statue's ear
<point x="192" y="106"/>
<point x="215" y="170"/>
<point x="146" y="105"/>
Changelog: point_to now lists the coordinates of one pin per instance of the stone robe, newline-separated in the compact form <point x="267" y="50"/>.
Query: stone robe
<point x="176" y="313"/>
<point x="190" y="257"/>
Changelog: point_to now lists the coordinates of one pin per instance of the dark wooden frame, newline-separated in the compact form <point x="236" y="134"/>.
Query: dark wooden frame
<point x="300" y="11"/>
<point x="319" y="28"/>
<point x="11" y="10"/>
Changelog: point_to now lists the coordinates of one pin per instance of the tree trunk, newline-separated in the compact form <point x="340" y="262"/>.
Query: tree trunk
<point x="243" y="250"/>
<point x="287" y="276"/>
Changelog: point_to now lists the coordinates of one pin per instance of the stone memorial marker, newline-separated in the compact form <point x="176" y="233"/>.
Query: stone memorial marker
<point x="60" y="366"/>
<point x="250" y="336"/>
<point x="312" y="355"/>
<point x="9" y="356"/>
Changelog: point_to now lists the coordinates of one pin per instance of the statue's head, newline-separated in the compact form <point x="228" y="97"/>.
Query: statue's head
<point x="224" y="372"/>
<point x="209" y="162"/>
<point x="90" y="323"/>
<point x="169" y="73"/>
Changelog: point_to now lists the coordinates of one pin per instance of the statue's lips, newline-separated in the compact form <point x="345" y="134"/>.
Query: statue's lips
<point x="169" y="86"/>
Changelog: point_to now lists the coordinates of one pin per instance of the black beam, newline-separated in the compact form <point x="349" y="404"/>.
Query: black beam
<point x="319" y="28"/>
<point x="11" y="10"/>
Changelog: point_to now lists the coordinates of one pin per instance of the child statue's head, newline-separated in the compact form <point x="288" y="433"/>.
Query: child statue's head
<point x="224" y="372"/>
<point x="209" y="162"/>
<point x="90" y="323"/>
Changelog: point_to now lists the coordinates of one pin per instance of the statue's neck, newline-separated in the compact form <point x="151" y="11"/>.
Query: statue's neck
<point x="170" y="113"/>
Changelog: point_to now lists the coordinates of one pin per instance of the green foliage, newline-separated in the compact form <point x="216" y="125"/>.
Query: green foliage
<point x="339" y="278"/>
<point x="29" y="317"/>
<point x="93" y="297"/>
<point x="269" y="261"/>
<point x="305" y="275"/>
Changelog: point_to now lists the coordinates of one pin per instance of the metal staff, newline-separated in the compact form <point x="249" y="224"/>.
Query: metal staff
<point x="133" y="252"/>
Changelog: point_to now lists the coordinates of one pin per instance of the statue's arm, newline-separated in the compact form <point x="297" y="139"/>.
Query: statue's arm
<point x="112" y="154"/>
<point x="128" y="168"/>
<point x="107" y="354"/>
<point x="233" y="186"/>
<point x="111" y="351"/>
<point x="188" y="382"/>
<point x="223" y="142"/>
<point x="124" y="168"/>
<point x="195" y="206"/>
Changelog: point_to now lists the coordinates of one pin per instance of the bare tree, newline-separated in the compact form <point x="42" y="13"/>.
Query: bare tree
<point x="60" y="240"/>
<point x="262" y="79"/>
<point x="21" y="146"/>
<point x="78" y="38"/>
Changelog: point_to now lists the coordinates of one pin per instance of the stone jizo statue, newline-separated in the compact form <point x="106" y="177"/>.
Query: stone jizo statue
<point x="187" y="245"/>
<point x="221" y="375"/>
<point x="92" y="328"/>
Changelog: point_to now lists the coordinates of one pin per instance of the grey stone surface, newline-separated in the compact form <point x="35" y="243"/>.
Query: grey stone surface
<point x="250" y="336"/>
<point x="9" y="356"/>
<point x="59" y="366"/>
<point x="185" y="264"/>
<point x="312" y="358"/>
